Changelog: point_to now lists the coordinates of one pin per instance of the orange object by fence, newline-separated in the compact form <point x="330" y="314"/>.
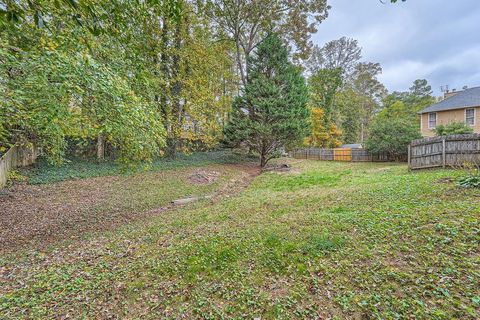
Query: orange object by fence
<point x="342" y="154"/>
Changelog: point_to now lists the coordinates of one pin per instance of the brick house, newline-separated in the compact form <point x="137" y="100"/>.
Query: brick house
<point x="458" y="106"/>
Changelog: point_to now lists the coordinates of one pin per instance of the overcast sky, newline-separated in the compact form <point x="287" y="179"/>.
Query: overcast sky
<point x="438" y="40"/>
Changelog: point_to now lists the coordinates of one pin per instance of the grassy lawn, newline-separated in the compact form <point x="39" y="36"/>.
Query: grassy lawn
<point x="326" y="240"/>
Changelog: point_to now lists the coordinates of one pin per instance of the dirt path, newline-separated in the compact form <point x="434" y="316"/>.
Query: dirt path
<point x="33" y="217"/>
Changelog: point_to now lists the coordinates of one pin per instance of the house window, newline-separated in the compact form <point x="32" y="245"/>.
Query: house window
<point x="432" y="120"/>
<point x="470" y="116"/>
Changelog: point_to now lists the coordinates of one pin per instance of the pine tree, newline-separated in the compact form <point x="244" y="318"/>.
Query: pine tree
<point x="272" y="112"/>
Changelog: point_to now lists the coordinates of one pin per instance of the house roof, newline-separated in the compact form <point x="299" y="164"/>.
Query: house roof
<point x="352" y="145"/>
<point x="463" y="99"/>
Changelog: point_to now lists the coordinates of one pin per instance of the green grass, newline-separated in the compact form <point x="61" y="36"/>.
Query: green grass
<point x="338" y="240"/>
<point x="43" y="172"/>
<point x="306" y="180"/>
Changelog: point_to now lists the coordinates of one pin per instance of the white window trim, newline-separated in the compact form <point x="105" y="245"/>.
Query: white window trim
<point x="428" y="119"/>
<point x="474" y="116"/>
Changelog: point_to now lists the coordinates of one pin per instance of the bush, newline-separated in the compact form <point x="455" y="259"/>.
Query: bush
<point x="453" y="128"/>
<point x="469" y="182"/>
<point x="391" y="137"/>
<point x="472" y="177"/>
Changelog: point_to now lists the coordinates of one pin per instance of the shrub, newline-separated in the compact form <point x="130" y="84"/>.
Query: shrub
<point x="391" y="137"/>
<point x="453" y="128"/>
<point x="472" y="177"/>
<point x="469" y="182"/>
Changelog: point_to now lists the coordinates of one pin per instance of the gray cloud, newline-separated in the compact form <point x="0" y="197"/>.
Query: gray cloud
<point x="431" y="39"/>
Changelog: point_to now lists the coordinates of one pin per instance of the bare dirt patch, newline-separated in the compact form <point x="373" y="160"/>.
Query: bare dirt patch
<point x="203" y="177"/>
<point x="445" y="180"/>
<point x="278" y="168"/>
<point x="44" y="213"/>
<point x="35" y="216"/>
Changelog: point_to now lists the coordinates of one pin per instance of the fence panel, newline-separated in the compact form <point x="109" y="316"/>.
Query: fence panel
<point x="342" y="154"/>
<point x="16" y="157"/>
<point x="313" y="153"/>
<point x="445" y="151"/>
<point x="361" y="155"/>
<point x="339" y="154"/>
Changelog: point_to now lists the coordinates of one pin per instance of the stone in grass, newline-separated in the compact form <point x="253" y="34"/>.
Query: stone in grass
<point x="279" y="168"/>
<point x="189" y="200"/>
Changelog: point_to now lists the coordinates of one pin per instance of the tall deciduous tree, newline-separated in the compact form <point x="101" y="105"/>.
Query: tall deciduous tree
<point x="323" y="86"/>
<point x="272" y="113"/>
<point x="247" y="22"/>
<point x="350" y="114"/>
<point x="195" y="69"/>
<point x="365" y="83"/>
<point x="343" y="53"/>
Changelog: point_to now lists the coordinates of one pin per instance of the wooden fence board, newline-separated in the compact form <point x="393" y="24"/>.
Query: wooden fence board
<point x="445" y="151"/>
<point x="16" y="157"/>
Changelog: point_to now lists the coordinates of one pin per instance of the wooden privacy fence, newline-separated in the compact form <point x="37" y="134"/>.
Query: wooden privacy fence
<point x="445" y="151"/>
<point x="17" y="156"/>
<point x="338" y="154"/>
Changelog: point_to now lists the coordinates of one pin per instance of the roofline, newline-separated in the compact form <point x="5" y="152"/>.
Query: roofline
<point x="450" y="109"/>
<point x="454" y="108"/>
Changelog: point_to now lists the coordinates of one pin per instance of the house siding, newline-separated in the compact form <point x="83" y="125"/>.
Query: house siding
<point x="448" y="116"/>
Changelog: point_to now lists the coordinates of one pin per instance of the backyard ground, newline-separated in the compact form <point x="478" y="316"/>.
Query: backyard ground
<point x="325" y="240"/>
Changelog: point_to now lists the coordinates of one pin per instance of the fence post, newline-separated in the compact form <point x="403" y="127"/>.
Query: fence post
<point x="444" y="160"/>
<point x="409" y="156"/>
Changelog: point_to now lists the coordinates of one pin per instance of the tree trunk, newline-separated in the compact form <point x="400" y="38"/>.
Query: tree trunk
<point x="165" y="101"/>
<point x="176" y="90"/>
<point x="100" y="147"/>
<point x="263" y="161"/>
<point x="263" y="157"/>
<point x="243" y="76"/>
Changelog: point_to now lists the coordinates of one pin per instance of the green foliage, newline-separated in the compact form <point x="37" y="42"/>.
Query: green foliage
<point x="306" y="180"/>
<point x="323" y="86"/>
<point x="349" y="105"/>
<point x="391" y="136"/>
<point x="406" y="105"/>
<point x="472" y="177"/>
<point x="317" y="245"/>
<point x="15" y="176"/>
<point x="100" y="70"/>
<point x="453" y="128"/>
<point x="322" y="135"/>
<point x="347" y="89"/>
<point x="421" y="88"/>
<point x="472" y="181"/>
<point x="272" y="113"/>
<point x="43" y="172"/>
<point x="368" y="92"/>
